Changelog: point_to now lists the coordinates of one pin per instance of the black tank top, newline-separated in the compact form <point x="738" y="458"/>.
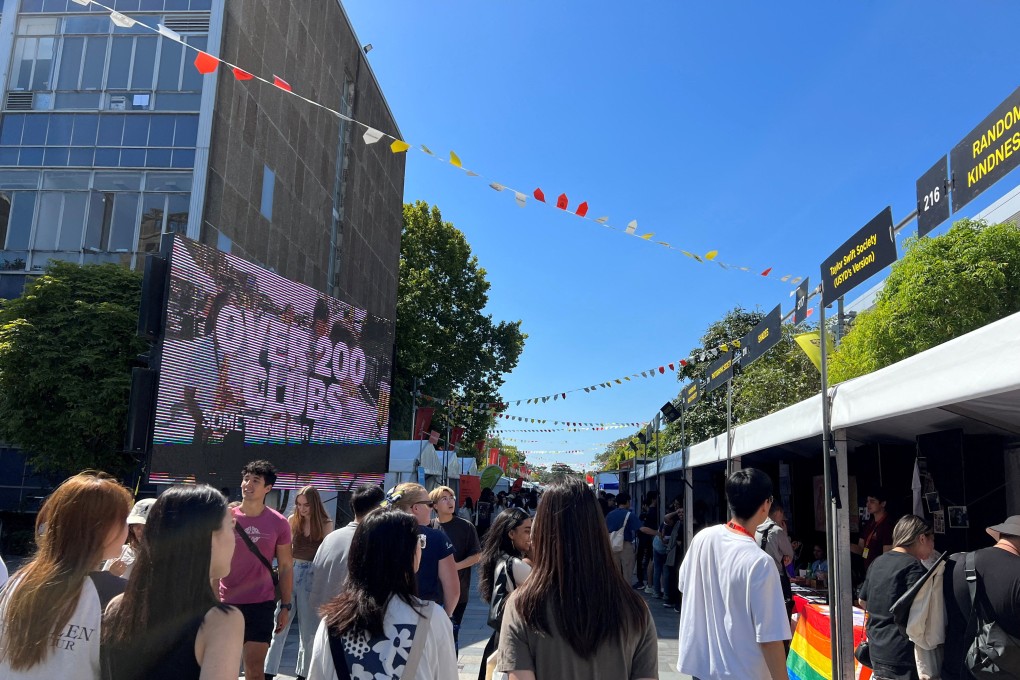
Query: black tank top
<point x="135" y="662"/>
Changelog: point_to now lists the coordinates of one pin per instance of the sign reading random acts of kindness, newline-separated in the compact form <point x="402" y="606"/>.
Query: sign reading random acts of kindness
<point x="867" y="252"/>
<point x="985" y="155"/>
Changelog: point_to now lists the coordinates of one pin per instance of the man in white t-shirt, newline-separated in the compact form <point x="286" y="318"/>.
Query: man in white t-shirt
<point x="733" y="620"/>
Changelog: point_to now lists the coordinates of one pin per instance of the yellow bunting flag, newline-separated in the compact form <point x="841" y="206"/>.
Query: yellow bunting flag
<point x="399" y="146"/>
<point x="811" y="343"/>
<point x="648" y="236"/>
<point x="711" y="255"/>
<point x="455" y="160"/>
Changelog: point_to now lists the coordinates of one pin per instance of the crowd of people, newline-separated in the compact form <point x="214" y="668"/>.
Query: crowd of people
<point x="188" y="585"/>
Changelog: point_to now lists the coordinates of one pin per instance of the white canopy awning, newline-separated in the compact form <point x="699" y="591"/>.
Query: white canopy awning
<point x="971" y="383"/>
<point x="403" y="453"/>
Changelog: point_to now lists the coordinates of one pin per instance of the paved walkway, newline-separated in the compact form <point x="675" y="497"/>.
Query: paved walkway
<point x="474" y="633"/>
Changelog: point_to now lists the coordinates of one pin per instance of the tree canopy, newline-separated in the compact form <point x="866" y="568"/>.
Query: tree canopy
<point x="941" y="288"/>
<point x="444" y="338"/>
<point x="66" y="349"/>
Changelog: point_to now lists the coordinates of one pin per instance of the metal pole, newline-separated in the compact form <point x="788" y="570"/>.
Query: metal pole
<point x="414" y="406"/>
<point x="840" y="320"/>
<point x="729" y="427"/>
<point x="826" y="471"/>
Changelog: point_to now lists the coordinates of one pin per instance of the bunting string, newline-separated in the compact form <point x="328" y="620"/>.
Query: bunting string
<point x="206" y="63"/>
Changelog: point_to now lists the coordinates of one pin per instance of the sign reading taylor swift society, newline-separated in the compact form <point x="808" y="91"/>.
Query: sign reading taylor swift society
<point x="988" y="153"/>
<point x="867" y="252"/>
<point x="933" y="197"/>
<point x="762" y="337"/>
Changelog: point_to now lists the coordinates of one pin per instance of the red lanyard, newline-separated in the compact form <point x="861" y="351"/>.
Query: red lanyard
<point x="739" y="529"/>
<point x="871" y="535"/>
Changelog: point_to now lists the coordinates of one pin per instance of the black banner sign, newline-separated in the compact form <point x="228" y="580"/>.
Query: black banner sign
<point x="988" y="153"/>
<point x="719" y="372"/>
<point x="762" y="338"/>
<point x="800" y="306"/>
<point x="933" y="197"/>
<point x="867" y="252"/>
<point x="690" y="395"/>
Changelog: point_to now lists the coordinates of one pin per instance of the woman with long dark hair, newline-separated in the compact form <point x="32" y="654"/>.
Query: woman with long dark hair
<point x="378" y="627"/>
<point x="503" y="550"/>
<point x="51" y="609"/>
<point x="309" y="524"/>
<point x="576" y="616"/>
<point x="169" y="623"/>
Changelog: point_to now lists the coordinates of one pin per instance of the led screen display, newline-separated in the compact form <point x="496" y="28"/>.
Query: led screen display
<point x="253" y="365"/>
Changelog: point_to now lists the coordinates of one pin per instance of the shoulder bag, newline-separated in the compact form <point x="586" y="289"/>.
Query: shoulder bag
<point x="274" y="573"/>
<point x="503" y="583"/>
<point x="421" y="633"/>
<point x="616" y="541"/>
<point x="993" y="653"/>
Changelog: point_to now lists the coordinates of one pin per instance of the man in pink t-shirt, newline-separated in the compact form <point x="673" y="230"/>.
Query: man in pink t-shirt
<point x="249" y="586"/>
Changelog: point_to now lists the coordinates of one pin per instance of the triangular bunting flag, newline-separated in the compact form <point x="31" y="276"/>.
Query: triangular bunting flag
<point x="241" y="74"/>
<point x="122" y="20"/>
<point x="281" y="83"/>
<point x="427" y="150"/>
<point x="455" y="160"/>
<point x="520" y="198"/>
<point x="711" y="255"/>
<point x="767" y="272"/>
<point x="399" y="146"/>
<point x="682" y="363"/>
<point x="497" y="186"/>
<point x="671" y="367"/>
<point x="206" y="63"/>
<point x="539" y="196"/>
<point x="471" y="173"/>
<point x="582" y="209"/>
<point x="631" y="227"/>
<point x="648" y="236"/>
<point x="164" y="31"/>
<point x="662" y="369"/>
<point x="372" y="136"/>
<point x="562" y="202"/>
<point x="602" y="220"/>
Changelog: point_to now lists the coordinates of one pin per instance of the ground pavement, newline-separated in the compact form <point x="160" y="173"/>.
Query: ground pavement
<point x="474" y="633"/>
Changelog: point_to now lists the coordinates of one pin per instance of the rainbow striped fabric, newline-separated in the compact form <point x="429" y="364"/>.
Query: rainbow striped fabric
<point x="810" y="651"/>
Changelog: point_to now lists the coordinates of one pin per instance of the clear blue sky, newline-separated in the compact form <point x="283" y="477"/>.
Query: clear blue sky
<point x="770" y="132"/>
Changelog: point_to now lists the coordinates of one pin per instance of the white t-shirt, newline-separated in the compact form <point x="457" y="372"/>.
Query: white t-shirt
<point x="731" y="599"/>
<point x="384" y="658"/>
<point x="75" y="653"/>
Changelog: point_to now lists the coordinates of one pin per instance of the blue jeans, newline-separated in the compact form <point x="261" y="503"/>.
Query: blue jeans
<point x="658" y="572"/>
<point x="308" y="622"/>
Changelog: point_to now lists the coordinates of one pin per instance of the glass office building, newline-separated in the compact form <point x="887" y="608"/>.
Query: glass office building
<point x="99" y="131"/>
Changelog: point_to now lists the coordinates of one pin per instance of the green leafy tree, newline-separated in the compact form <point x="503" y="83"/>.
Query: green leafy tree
<point x="941" y="288"/>
<point x="444" y="338"/>
<point x="66" y="349"/>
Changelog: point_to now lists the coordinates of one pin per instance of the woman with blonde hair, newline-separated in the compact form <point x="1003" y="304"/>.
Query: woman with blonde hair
<point x="51" y="609"/>
<point x="309" y="525"/>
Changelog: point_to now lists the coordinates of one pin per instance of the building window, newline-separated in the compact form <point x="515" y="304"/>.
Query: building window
<point x="268" y="184"/>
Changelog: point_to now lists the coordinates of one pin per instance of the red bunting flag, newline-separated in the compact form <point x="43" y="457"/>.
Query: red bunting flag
<point x="564" y="395"/>
<point x="281" y="83"/>
<point x="811" y="311"/>
<point x="683" y="363"/>
<point x="206" y="63"/>
<point x="767" y="272"/>
<point x="562" y="202"/>
<point x="582" y="209"/>
<point x="241" y="74"/>
<point x="671" y="367"/>
<point x="539" y="196"/>
<point x="662" y="369"/>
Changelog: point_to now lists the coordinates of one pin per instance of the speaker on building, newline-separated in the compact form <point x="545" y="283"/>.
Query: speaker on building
<point x="150" y="316"/>
<point x="141" y="409"/>
<point x="670" y="411"/>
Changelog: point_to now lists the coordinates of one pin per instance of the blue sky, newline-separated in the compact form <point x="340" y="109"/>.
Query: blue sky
<point x="768" y="131"/>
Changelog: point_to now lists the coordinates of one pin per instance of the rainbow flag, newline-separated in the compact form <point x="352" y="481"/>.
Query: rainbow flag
<point x="811" y="650"/>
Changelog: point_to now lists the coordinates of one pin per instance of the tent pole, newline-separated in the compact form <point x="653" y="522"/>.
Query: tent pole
<point x="827" y="482"/>
<point x="729" y="427"/>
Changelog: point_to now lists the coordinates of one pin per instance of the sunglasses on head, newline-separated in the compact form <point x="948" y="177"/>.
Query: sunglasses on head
<point x="428" y="503"/>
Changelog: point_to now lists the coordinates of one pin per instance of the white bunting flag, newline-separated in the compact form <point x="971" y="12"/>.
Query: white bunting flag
<point x="372" y="136"/>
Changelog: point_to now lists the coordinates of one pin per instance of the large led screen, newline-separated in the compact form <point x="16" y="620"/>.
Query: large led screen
<point x="254" y="365"/>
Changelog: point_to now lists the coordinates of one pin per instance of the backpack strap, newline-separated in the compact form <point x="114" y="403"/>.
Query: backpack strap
<point x="970" y="573"/>
<point x="421" y="633"/>
<point x="336" y="650"/>
<point x="765" y="534"/>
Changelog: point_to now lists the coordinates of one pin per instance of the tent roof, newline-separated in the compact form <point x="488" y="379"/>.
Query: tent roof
<point x="403" y="453"/>
<point x="971" y="383"/>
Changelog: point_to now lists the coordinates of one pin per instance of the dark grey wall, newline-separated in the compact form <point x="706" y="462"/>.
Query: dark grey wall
<point x="312" y="46"/>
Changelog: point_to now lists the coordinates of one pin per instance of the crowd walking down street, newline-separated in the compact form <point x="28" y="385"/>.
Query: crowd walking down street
<point x="389" y="596"/>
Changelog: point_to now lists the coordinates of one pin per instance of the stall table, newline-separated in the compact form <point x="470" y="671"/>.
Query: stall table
<point x="811" y="648"/>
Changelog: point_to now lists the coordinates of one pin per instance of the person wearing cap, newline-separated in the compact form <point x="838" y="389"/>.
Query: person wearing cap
<point x="876" y="536"/>
<point x="998" y="585"/>
<point x="437" y="571"/>
<point x="125" y="564"/>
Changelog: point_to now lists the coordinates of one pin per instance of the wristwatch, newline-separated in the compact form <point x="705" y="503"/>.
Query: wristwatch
<point x="286" y="605"/>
